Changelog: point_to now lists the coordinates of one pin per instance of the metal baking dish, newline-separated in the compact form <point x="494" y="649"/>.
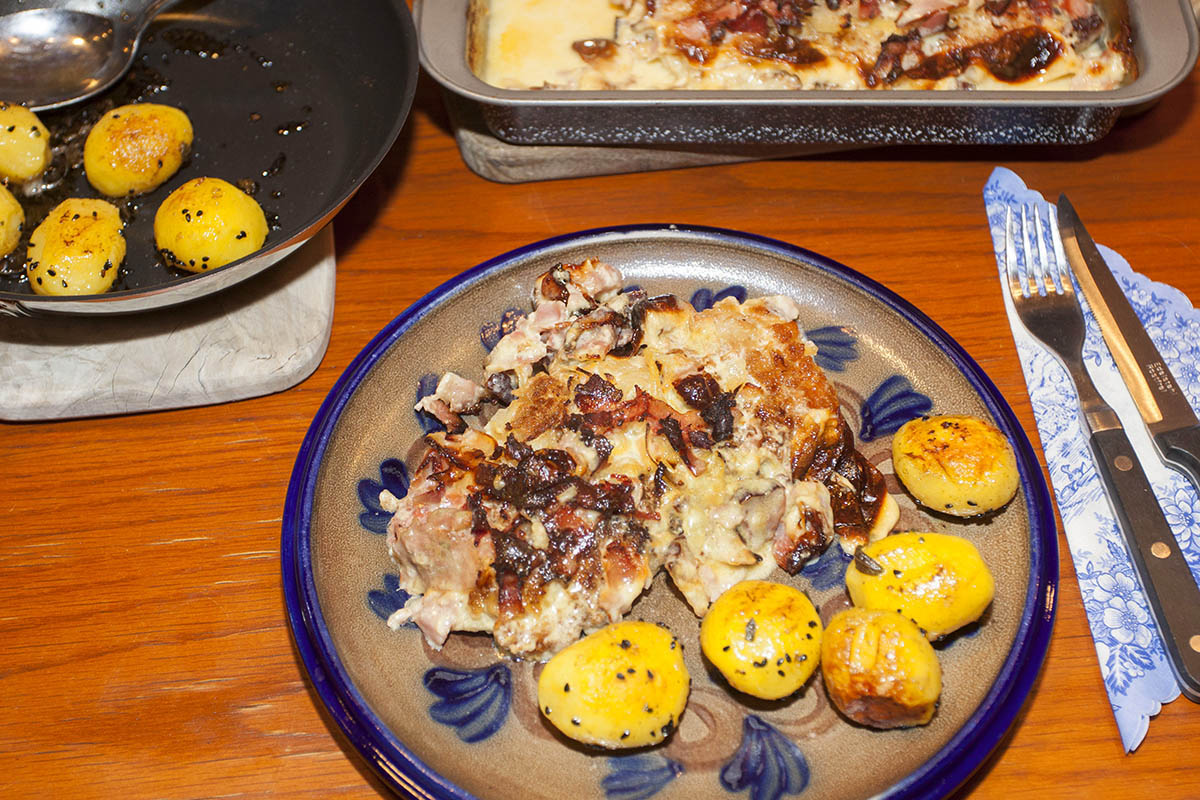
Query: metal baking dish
<point x="1165" y="46"/>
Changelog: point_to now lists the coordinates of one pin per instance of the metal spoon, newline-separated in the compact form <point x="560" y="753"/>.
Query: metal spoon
<point x="52" y="57"/>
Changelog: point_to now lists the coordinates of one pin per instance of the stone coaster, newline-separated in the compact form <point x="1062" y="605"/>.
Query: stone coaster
<point x="263" y="335"/>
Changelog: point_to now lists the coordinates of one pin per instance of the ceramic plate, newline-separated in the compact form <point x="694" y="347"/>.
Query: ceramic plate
<point x="463" y="723"/>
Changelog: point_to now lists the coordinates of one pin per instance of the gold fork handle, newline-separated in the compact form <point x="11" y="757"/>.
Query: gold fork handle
<point x="1166" y="580"/>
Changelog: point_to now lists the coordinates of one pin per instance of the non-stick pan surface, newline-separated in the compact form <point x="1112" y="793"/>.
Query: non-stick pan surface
<point x="294" y="100"/>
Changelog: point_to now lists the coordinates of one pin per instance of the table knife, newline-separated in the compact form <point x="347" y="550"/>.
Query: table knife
<point x="1165" y="577"/>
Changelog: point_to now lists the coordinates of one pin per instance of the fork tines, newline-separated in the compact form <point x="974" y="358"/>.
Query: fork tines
<point x="1033" y="270"/>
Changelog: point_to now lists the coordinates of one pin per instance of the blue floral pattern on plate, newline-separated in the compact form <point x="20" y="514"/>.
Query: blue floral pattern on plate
<point x="639" y="776"/>
<point x="490" y="333"/>
<point x="829" y="570"/>
<point x="836" y="346"/>
<point x="474" y="702"/>
<point x="893" y="403"/>
<point x="1130" y="650"/>
<point x="388" y="600"/>
<point x="705" y="298"/>
<point x="393" y="476"/>
<point x="767" y="763"/>
<point x="426" y="386"/>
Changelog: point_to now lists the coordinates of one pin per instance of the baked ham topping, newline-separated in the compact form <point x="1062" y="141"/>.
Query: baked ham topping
<point x="631" y="434"/>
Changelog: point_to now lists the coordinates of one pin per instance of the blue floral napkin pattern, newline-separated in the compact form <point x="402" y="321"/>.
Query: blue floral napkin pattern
<point x="1130" y="650"/>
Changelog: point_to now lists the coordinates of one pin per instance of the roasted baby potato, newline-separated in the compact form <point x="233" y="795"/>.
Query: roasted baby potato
<point x="765" y="638"/>
<point x="959" y="465"/>
<point x="207" y="223"/>
<point x="623" y="686"/>
<point x="12" y="222"/>
<point x="134" y="149"/>
<point x="24" y="143"/>
<point x="937" y="580"/>
<point x="77" y="248"/>
<point x="879" y="670"/>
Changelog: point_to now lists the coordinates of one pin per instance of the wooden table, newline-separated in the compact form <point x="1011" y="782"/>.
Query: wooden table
<point x="144" y="650"/>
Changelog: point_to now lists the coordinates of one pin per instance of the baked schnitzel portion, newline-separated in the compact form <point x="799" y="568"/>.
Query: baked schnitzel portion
<point x="614" y="434"/>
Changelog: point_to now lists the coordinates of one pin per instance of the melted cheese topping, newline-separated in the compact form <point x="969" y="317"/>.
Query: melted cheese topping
<point x="530" y="45"/>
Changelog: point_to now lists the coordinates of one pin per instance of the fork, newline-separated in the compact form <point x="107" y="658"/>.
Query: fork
<point x="1045" y="301"/>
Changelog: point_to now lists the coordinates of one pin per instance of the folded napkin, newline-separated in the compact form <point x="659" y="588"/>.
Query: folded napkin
<point x="1130" y="649"/>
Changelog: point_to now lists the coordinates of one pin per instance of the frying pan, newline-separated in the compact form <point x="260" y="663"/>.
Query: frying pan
<point x="296" y="100"/>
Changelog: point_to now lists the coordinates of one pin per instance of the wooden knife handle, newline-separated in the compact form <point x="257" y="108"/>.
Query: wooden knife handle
<point x="1181" y="449"/>
<point x="1166" y="580"/>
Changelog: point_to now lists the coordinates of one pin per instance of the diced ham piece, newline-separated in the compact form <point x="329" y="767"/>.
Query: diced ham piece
<point x="934" y="23"/>
<point x="692" y="28"/>
<point x="1079" y="8"/>
<point x="920" y="9"/>
<point x="535" y="336"/>
<point x="454" y="395"/>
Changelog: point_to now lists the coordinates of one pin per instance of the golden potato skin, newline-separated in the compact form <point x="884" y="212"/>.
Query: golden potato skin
<point x="955" y="464"/>
<point x="764" y="637"/>
<point x="134" y="149"/>
<point x="879" y="670"/>
<point x="623" y="686"/>
<point x="207" y="223"/>
<point x="937" y="580"/>
<point x="24" y="143"/>
<point x="12" y="221"/>
<point x="77" y="248"/>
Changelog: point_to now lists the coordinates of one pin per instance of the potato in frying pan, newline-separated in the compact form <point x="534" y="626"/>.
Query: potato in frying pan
<point x="134" y="149"/>
<point x="77" y="248"/>
<point x="12" y="222"/>
<point x="24" y="143"/>
<point x="207" y="223"/>
<point x="958" y="465"/>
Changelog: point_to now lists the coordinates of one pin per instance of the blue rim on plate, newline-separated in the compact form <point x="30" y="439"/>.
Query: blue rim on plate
<point x="396" y="764"/>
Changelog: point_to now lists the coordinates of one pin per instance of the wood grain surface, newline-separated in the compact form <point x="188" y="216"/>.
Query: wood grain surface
<point x="144" y="650"/>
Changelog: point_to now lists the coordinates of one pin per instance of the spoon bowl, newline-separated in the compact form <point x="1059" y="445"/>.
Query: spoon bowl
<point x="52" y="57"/>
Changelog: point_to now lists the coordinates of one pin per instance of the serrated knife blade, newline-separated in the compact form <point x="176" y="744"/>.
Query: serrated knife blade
<point x="1169" y="417"/>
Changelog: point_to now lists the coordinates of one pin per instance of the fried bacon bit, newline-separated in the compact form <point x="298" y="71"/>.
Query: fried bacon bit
<point x="500" y="384"/>
<point x="589" y="437"/>
<point x="703" y="393"/>
<point x="596" y="394"/>
<point x="595" y="49"/>
<point x="855" y="506"/>
<point x="753" y="21"/>
<point x="1086" y="29"/>
<point x="792" y="554"/>
<point x="1017" y="55"/>
<point x="637" y="320"/>
<point x="888" y="68"/>
<point x="997" y="7"/>
<point x="1013" y="57"/>
<point x="788" y="49"/>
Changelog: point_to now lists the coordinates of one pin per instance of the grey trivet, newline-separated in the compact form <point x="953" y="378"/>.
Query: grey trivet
<point x="263" y="335"/>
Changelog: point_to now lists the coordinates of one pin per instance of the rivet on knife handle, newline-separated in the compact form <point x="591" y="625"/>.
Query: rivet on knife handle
<point x="1170" y="591"/>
